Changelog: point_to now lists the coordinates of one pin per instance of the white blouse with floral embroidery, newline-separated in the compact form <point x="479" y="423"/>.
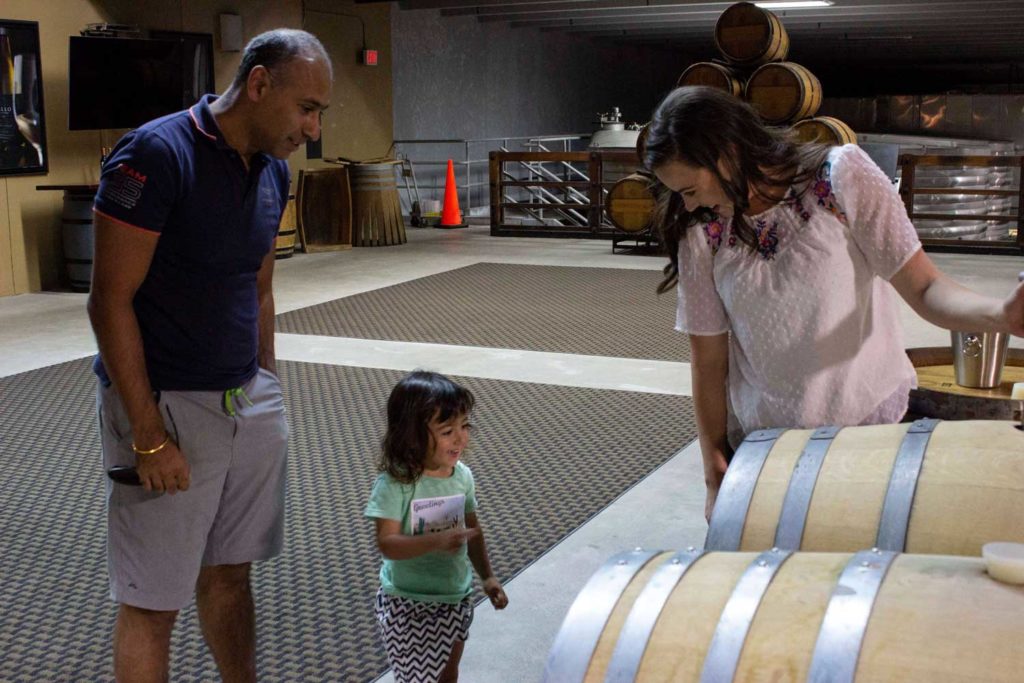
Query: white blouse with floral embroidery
<point x="815" y="336"/>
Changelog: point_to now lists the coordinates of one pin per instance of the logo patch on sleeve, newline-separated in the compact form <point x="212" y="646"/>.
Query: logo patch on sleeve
<point x="125" y="186"/>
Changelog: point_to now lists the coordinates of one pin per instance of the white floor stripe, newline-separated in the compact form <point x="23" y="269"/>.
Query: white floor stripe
<point x="598" y="372"/>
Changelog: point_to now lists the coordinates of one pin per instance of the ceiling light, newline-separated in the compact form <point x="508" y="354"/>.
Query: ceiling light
<point x="794" y="4"/>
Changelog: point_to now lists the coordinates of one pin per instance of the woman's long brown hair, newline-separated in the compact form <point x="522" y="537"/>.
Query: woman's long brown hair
<point x="705" y="127"/>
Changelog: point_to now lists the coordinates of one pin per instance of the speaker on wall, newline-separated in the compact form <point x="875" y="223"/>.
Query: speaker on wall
<point x="231" y="37"/>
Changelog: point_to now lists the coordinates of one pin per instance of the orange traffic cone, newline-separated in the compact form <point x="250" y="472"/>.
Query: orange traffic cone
<point x="451" y="217"/>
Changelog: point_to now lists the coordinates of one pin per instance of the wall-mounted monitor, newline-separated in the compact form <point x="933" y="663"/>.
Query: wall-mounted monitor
<point x="125" y="82"/>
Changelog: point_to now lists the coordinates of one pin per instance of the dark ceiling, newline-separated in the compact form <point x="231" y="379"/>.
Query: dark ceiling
<point x="914" y="44"/>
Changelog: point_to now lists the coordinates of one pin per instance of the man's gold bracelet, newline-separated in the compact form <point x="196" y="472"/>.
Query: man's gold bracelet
<point x="151" y="451"/>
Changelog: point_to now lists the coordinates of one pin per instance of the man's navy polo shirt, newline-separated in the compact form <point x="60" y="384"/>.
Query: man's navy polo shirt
<point x="197" y="307"/>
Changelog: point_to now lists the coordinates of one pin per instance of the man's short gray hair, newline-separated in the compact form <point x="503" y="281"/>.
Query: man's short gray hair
<point x="274" y="49"/>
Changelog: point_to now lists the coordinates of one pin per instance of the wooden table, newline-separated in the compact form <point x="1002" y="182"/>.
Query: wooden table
<point x="938" y="394"/>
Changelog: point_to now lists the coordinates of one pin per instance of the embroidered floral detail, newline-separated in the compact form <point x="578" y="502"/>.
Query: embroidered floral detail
<point x="714" y="231"/>
<point x="767" y="238"/>
<point x="822" y="189"/>
<point x="732" y="238"/>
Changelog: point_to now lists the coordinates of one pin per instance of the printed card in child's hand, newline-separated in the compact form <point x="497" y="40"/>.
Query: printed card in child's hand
<point x="432" y="515"/>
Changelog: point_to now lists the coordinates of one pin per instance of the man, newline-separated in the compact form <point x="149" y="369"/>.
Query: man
<point x="183" y="311"/>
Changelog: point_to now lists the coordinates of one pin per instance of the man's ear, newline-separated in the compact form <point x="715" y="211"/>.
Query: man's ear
<point x="258" y="83"/>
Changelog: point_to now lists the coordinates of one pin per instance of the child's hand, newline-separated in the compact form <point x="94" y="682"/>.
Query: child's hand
<point x="451" y="541"/>
<point x="494" y="591"/>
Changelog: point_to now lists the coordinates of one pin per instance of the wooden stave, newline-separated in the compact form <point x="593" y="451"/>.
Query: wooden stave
<point x="614" y="199"/>
<point x="724" y="78"/>
<point x="944" y="612"/>
<point x="775" y="50"/>
<point x="836" y="131"/>
<point x="806" y="105"/>
<point x="845" y="512"/>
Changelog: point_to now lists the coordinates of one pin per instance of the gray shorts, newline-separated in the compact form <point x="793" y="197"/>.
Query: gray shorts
<point x="233" y="511"/>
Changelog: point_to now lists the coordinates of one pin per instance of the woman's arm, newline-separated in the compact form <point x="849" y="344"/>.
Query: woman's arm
<point x="395" y="545"/>
<point x="482" y="564"/>
<point x="938" y="299"/>
<point x="709" y="369"/>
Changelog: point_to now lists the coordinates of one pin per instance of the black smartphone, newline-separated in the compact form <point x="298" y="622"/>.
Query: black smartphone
<point x="124" y="474"/>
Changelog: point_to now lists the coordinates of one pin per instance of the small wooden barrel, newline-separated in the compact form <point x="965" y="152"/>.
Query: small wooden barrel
<point x="78" y="237"/>
<point x="713" y="75"/>
<point x="284" y="243"/>
<point x="376" y="212"/>
<point x="784" y="92"/>
<point x="928" y="487"/>
<point x="748" y="35"/>
<point x="938" y="395"/>
<point x="631" y="203"/>
<point x="826" y="130"/>
<point x="873" y="616"/>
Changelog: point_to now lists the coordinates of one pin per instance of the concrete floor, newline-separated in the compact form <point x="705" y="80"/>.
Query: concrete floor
<point x="665" y="510"/>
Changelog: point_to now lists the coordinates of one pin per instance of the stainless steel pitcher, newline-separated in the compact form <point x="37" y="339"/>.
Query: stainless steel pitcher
<point x="979" y="357"/>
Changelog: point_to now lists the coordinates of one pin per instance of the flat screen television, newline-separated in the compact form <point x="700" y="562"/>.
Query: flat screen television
<point x="124" y="82"/>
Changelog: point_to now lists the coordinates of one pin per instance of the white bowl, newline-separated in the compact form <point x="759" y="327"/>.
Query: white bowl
<point x="1004" y="561"/>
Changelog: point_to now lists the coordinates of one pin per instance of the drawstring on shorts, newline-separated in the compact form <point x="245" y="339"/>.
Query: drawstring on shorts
<point x="229" y="399"/>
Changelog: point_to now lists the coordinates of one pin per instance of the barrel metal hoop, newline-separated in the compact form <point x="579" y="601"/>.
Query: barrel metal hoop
<point x="585" y="621"/>
<point x="636" y="632"/>
<point x="899" y="498"/>
<point x="793" y="519"/>
<point x="738" y="614"/>
<point x="846" y="617"/>
<point x="727" y="519"/>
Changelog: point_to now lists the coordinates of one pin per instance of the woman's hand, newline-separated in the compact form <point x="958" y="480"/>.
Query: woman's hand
<point x="496" y="594"/>
<point x="1013" y="309"/>
<point x="715" y="465"/>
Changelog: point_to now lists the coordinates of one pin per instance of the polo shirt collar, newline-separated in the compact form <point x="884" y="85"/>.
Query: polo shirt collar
<point x="205" y="124"/>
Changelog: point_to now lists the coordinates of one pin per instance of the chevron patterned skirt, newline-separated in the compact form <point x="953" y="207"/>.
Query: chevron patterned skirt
<point x="419" y="636"/>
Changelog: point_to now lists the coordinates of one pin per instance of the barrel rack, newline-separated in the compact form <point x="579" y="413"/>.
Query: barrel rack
<point x="908" y="188"/>
<point x="555" y="194"/>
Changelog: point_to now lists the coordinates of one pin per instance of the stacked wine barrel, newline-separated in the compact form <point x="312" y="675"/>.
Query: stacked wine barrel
<point x="834" y="555"/>
<point x="754" y="45"/>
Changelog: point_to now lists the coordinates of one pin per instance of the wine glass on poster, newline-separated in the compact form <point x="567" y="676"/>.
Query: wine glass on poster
<point x="22" y="128"/>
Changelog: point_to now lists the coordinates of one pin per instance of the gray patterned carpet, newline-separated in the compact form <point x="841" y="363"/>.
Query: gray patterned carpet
<point x="546" y="459"/>
<point x="561" y="309"/>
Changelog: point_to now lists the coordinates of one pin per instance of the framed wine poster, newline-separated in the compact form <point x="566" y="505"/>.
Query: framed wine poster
<point x="22" y="129"/>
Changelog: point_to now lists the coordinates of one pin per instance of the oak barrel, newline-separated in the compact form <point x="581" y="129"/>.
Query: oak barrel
<point x="826" y="130"/>
<point x="938" y="395"/>
<point x="783" y="92"/>
<point x="323" y="206"/>
<point x="748" y="35"/>
<point x="873" y="616"/>
<point x="927" y="487"/>
<point x="631" y="203"/>
<point x="284" y="243"/>
<point x="376" y="213"/>
<point x="78" y="237"/>
<point x="712" y="75"/>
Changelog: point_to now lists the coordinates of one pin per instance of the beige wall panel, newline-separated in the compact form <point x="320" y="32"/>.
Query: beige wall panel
<point x="357" y="125"/>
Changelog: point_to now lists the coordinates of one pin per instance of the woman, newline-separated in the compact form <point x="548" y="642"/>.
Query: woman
<point x="783" y="255"/>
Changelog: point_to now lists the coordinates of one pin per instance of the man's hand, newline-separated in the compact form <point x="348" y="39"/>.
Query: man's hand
<point x="165" y="471"/>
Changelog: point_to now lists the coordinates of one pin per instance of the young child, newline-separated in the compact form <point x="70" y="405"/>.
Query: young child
<point x="424" y="506"/>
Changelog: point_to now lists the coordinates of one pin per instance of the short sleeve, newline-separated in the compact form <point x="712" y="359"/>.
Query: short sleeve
<point x="874" y="212"/>
<point x="700" y="310"/>
<point x="471" y="504"/>
<point x="386" y="500"/>
<point x="139" y="182"/>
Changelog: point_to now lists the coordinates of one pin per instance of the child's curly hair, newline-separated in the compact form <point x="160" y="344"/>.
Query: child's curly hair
<point x="413" y="403"/>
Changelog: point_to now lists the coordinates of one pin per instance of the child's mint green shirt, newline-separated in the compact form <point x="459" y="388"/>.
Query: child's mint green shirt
<point x="431" y="505"/>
